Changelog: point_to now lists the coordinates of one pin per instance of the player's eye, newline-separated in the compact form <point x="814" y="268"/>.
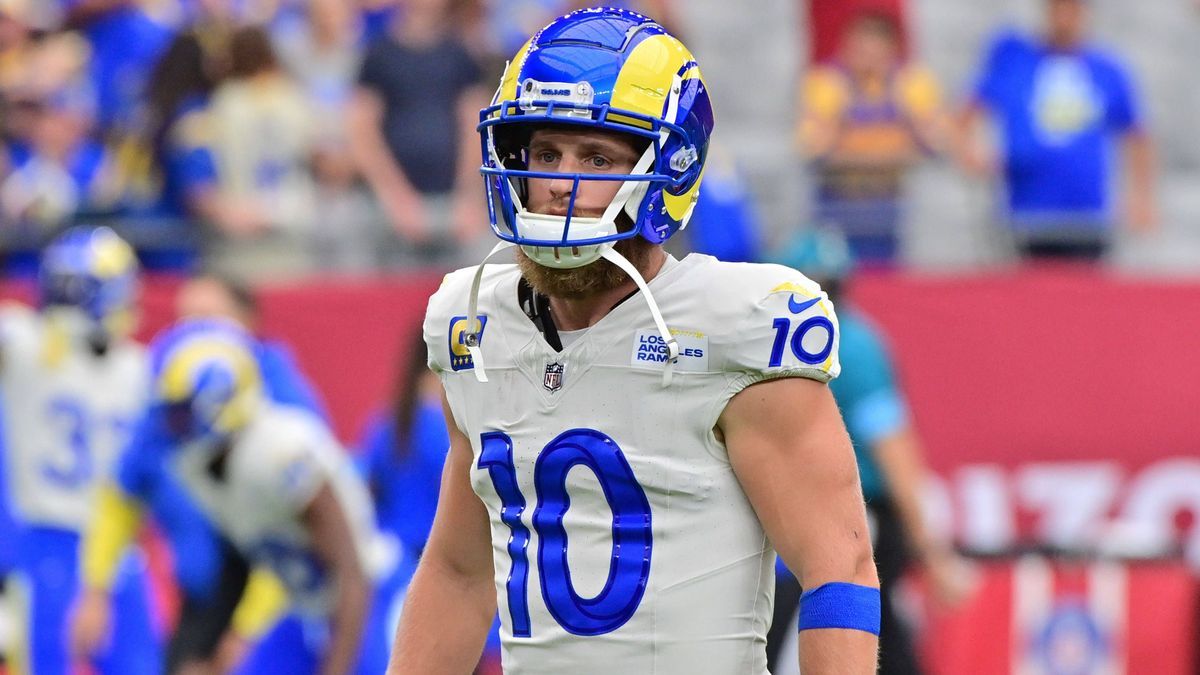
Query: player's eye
<point x="545" y="157"/>
<point x="599" y="162"/>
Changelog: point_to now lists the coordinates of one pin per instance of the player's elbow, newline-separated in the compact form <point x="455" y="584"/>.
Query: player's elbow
<point x="852" y="561"/>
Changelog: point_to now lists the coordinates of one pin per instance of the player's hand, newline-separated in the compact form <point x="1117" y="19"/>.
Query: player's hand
<point x="231" y="651"/>
<point x="407" y="214"/>
<point x="952" y="578"/>
<point x="90" y="623"/>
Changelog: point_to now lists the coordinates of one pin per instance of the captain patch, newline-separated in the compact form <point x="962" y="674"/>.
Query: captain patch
<point x="460" y="357"/>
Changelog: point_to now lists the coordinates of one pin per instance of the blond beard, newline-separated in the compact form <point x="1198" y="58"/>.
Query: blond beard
<point x="596" y="277"/>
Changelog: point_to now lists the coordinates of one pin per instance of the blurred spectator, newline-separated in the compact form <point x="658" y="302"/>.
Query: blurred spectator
<point x="178" y="140"/>
<point x="412" y="131"/>
<point x="56" y="170"/>
<point x="61" y="172"/>
<point x="322" y="54"/>
<point x="890" y="459"/>
<point x="125" y="44"/>
<point x="263" y="141"/>
<point x="867" y="118"/>
<point x="1059" y="102"/>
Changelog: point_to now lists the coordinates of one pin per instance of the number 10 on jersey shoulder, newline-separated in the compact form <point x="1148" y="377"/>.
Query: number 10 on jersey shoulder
<point x="632" y="539"/>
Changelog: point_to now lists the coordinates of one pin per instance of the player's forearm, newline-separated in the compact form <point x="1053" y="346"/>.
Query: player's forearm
<point x="1139" y="154"/>
<point x="113" y="526"/>
<point x="899" y="457"/>
<point x="829" y="651"/>
<point x="349" y="616"/>
<point x="445" y="622"/>
<point x="842" y="651"/>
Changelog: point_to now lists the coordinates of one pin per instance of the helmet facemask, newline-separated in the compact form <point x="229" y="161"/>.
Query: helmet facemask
<point x="571" y="241"/>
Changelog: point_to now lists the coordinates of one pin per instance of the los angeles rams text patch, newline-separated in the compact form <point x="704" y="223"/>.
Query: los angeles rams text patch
<point x="650" y="350"/>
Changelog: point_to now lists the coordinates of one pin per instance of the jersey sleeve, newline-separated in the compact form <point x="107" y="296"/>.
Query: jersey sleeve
<point x="791" y="330"/>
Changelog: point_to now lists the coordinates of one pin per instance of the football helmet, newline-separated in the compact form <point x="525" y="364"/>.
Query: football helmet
<point x="87" y="281"/>
<point x="609" y="69"/>
<point x="207" y="377"/>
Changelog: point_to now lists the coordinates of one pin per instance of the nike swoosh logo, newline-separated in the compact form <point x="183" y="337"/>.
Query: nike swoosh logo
<point x="797" y="307"/>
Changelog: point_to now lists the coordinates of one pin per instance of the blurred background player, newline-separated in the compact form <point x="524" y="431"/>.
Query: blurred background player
<point x="73" y="383"/>
<point x="890" y="466"/>
<point x="273" y="480"/>
<point x="209" y="570"/>
<point x="1060" y="102"/>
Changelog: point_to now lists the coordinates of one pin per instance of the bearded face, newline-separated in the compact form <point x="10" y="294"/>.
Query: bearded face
<point x="596" y="277"/>
<point x="568" y="151"/>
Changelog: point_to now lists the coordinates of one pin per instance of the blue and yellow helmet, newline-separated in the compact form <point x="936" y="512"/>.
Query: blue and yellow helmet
<point x="207" y="377"/>
<point x="609" y="69"/>
<point x="94" y="270"/>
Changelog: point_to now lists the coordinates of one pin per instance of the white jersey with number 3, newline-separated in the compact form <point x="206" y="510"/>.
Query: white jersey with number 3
<point x="67" y="413"/>
<point x="622" y="540"/>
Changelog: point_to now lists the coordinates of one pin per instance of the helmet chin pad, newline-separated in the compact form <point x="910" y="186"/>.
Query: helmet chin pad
<point x="566" y="257"/>
<point x="541" y="227"/>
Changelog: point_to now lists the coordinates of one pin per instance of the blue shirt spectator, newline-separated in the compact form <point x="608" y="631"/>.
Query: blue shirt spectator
<point x="1059" y="111"/>
<point x="1060" y="102"/>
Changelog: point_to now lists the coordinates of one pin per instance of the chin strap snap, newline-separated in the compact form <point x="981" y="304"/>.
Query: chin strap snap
<point x="672" y="344"/>
<point x="474" y="327"/>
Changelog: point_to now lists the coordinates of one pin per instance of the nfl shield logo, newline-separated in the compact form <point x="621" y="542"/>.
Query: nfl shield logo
<point x="552" y="381"/>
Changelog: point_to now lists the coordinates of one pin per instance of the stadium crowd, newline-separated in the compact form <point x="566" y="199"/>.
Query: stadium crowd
<point x="239" y="142"/>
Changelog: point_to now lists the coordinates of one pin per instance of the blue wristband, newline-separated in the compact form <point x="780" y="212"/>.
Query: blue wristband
<point x="840" y="605"/>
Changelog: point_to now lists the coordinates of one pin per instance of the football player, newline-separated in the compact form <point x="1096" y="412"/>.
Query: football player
<point x="633" y="436"/>
<point x="73" y="383"/>
<point x="273" y="480"/>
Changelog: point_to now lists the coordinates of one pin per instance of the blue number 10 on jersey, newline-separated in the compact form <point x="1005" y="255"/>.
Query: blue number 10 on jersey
<point x="632" y="540"/>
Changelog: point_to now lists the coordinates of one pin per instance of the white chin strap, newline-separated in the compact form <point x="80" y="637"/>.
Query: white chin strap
<point x="672" y="344"/>
<point x="474" y="326"/>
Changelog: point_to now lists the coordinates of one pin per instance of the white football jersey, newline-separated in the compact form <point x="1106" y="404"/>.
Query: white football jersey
<point x="622" y="540"/>
<point x="67" y="413"/>
<point x="272" y="473"/>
